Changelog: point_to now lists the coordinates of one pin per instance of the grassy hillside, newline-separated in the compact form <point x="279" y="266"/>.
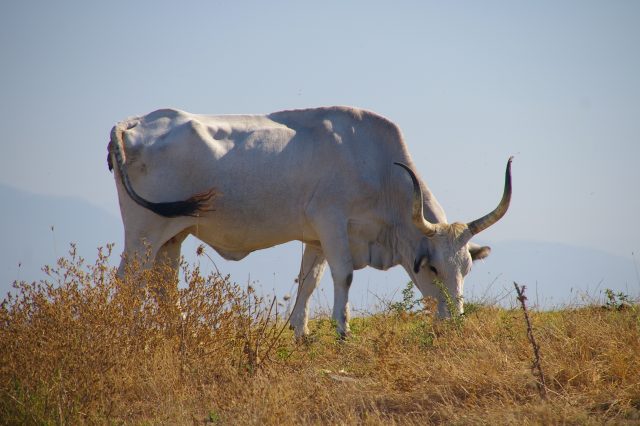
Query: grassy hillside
<point x="84" y="347"/>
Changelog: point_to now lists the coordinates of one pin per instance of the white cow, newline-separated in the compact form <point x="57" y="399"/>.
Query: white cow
<point x="323" y="176"/>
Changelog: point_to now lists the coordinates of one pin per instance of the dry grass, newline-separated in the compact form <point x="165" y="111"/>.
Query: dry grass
<point x="85" y="347"/>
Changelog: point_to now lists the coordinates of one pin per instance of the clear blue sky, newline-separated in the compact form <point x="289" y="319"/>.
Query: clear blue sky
<point x="555" y="83"/>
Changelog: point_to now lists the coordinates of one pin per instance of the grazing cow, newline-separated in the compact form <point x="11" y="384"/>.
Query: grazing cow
<point x="338" y="179"/>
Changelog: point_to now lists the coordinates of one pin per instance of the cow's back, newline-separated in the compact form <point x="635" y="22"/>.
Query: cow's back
<point x="266" y="153"/>
<point x="266" y="170"/>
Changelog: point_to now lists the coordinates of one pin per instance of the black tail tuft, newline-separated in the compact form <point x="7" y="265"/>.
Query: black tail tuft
<point x="193" y="206"/>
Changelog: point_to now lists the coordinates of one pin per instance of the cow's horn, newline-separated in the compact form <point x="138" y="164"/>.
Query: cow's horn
<point x="417" y="213"/>
<point x="484" y="222"/>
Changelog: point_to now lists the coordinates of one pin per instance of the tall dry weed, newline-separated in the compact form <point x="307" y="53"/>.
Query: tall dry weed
<point x="86" y="347"/>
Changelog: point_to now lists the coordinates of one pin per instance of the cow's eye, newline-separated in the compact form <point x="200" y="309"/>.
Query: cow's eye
<point x="433" y="269"/>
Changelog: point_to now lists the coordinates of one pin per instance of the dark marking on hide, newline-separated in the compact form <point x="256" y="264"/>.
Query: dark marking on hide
<point x="422" y="256"/>
<point x="109" y="160"/>
<point x="349" y="279"/>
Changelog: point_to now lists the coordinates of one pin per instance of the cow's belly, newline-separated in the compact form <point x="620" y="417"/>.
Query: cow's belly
<point x="235" y="237"/>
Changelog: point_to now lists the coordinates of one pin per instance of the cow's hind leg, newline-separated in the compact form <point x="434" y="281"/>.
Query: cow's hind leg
<point x="138" y="255"/>
<point x="144" y="250"/>
<point x="311" y="270"/>
<point x="167" y="262"/>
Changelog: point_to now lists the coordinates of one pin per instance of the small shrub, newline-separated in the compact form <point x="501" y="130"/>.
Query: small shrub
<point x="457" y="319"/>
<point x="213" y="417"/>
<point x="409" y="302"/>
<point x="617" y="301"/>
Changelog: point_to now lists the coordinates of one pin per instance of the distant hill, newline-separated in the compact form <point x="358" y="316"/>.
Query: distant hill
<point x="557" y="273"/>
<point x="37" y="229"/>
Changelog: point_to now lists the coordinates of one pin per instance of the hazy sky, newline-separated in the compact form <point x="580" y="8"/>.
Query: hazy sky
<point x="555" y="83"/>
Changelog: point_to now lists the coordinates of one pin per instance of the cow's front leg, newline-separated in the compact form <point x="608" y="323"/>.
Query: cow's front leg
<point x="335" y="246"/>
<point x="341" y="312"/>
<point x="311" y="270"/>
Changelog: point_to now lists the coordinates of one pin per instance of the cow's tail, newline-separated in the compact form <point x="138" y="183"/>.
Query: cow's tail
<point x="192" y="206"/>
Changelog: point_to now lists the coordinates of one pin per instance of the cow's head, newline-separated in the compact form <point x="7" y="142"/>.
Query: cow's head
<point x="444" y="252"/>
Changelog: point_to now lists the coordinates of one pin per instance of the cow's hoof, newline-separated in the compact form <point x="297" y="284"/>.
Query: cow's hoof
<point x="344" y="335"/>
<point x="305" y="339"/>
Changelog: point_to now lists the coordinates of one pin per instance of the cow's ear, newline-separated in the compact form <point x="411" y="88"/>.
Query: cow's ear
<point x="478" y="252"/>
<point x="422" y="255"/>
